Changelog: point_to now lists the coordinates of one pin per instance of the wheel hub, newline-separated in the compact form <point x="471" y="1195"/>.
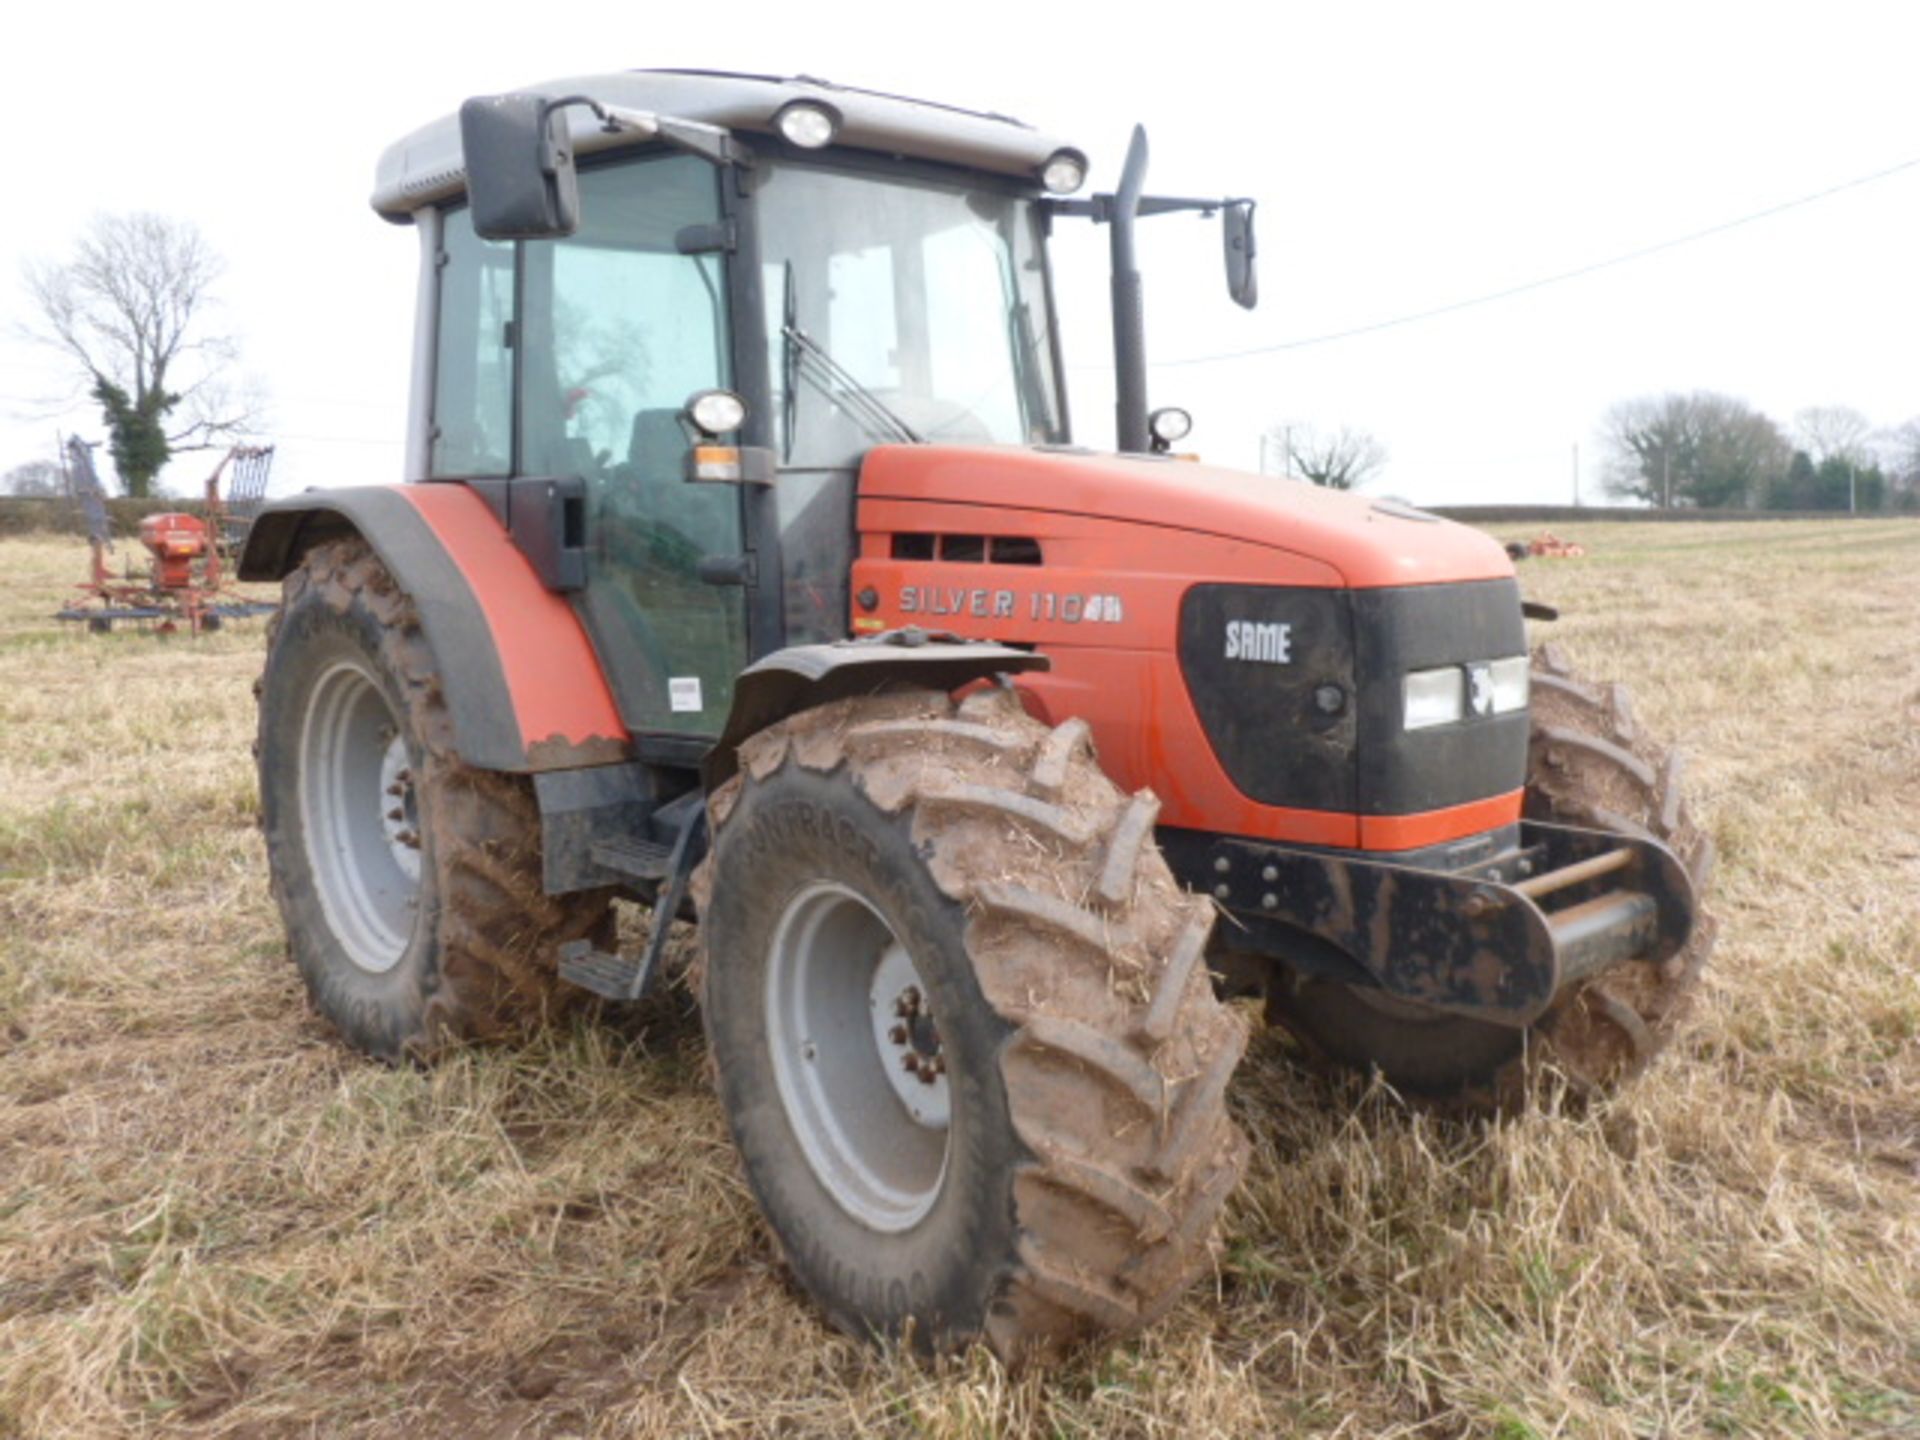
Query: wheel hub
<point x="398" y="813"/>
<point x="907" y="1038"/>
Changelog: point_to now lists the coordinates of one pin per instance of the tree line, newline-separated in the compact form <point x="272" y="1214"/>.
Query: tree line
<point x="1712" y="452"/>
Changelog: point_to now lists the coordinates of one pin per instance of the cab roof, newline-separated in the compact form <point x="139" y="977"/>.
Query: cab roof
<point x="426" y="167"/>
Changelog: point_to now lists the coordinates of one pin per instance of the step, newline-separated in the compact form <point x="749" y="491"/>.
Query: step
<point x="633" y="857"/>
<point x="613" y="976"/>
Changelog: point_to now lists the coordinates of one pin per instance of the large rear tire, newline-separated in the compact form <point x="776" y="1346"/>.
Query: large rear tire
<point x="966" y="1041"/>
<point x="1589" y="763"/>
<point x="408" y="881"/>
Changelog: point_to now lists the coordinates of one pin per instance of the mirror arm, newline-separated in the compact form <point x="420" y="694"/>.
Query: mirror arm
<point x="711" y="142"/>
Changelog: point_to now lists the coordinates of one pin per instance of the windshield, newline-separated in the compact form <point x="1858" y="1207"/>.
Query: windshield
<point x="896" y="307"/>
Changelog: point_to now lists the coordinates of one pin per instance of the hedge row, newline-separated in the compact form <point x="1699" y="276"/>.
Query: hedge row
<point x="23" y="515"/>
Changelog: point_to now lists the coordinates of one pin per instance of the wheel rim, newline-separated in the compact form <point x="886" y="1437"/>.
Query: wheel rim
<point x="360" y="816"/>
<point x="857" y="1057"/>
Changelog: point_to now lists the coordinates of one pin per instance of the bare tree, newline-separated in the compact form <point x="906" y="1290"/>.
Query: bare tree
<point x="130" y="310"/>
<point x="1702" y="450"/>
<point x="33" y="477"/>
<point x="1342" y="459"/>
<point x="1834" y="432"/>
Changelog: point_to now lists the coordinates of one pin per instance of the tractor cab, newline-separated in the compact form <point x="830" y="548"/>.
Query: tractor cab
<point x="855" y="270"/>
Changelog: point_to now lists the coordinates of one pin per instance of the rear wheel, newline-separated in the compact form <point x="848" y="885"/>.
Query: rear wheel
<point x="966" y="1042"/>
<point x="409" y="882"/>
<point x="1590" y="764"/>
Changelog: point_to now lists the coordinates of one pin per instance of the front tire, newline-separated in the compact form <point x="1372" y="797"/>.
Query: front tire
<point x="965" y="1039"/>
<point x="408" y="881"/>
<point x="1589" y="763"/>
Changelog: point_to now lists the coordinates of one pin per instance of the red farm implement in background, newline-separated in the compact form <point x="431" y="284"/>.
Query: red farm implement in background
<point x="185" y="583"/>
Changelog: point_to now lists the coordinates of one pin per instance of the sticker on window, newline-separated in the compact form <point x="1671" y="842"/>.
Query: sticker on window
<point x="683" y="693"/>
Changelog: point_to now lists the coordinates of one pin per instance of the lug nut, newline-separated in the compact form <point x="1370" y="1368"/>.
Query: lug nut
<point x="396" y="813"/>
<point x="898" y="1034"/>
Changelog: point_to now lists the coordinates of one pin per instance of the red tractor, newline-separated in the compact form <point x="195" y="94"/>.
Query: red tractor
<point x="747" y="569"/>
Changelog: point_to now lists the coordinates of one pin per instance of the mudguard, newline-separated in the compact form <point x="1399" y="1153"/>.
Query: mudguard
<point x="802" y="676"/>
<point x="523" y="685"/>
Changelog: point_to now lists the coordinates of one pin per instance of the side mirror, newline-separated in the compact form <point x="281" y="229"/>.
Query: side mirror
<point x="1236" y="225"/>
<point x="519" y="158"/>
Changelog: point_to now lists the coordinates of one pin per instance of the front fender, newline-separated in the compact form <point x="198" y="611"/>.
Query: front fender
<point x="523" y="685"/>
<point x="803" y="676"/>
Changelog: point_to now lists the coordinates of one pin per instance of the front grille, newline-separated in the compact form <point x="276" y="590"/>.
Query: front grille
<point x="1262" y="663"/>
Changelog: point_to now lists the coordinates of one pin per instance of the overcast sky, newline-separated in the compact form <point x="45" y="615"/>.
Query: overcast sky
<point x="1405" y="157"/>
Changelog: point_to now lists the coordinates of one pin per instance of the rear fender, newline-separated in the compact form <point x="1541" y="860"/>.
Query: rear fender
<point x="523" y="686"/>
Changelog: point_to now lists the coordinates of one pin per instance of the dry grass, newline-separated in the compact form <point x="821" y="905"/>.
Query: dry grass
<point x="215" y="1221"/>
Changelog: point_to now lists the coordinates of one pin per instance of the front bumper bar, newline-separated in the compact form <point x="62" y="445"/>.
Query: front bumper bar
<point x="1497" y="939"/>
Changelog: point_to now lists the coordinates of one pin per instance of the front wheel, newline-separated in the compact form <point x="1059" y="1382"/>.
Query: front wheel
<point x="1589" y="763"/>
<point x="966" y="1042"/>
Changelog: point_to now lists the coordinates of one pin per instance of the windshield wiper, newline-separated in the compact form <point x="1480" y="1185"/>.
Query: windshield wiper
<point x="836" y="382"/>
<point x="1026" y="374"/>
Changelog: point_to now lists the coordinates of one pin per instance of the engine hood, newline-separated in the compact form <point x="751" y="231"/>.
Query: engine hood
<point x="1372" y="543"/>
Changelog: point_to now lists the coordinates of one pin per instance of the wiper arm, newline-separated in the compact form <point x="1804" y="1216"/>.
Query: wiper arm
<point x="868" y="408"/>
<point x="1026" y="373"/>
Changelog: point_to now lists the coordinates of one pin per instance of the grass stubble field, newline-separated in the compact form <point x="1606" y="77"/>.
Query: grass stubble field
<point x="216" y="1221"/>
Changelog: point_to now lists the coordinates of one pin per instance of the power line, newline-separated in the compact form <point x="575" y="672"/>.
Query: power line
<point x="1640" y="254"/>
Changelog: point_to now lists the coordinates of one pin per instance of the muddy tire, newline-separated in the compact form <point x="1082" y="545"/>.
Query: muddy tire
<point x="1588" y="763"/>
<point x="409" y="882"/>
<point x="965" y="1038"/>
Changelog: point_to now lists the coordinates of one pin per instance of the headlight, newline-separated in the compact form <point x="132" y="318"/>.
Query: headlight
<point x="1436" y="697"/>
<point x="1509" y="684"/>
<point x="807" y="125"/>
<point x="1064" y="172"/>
<point x="1169" y="424"/>
<point x="1449" y="693"/>
<point x="716" y="412"/>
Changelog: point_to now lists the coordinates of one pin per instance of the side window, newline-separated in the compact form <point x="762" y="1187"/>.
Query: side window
<point x="473" y="371"/>
<point x="621" y="327"/>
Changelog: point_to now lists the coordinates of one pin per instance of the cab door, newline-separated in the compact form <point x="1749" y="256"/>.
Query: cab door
<point x="616" y="329"/>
